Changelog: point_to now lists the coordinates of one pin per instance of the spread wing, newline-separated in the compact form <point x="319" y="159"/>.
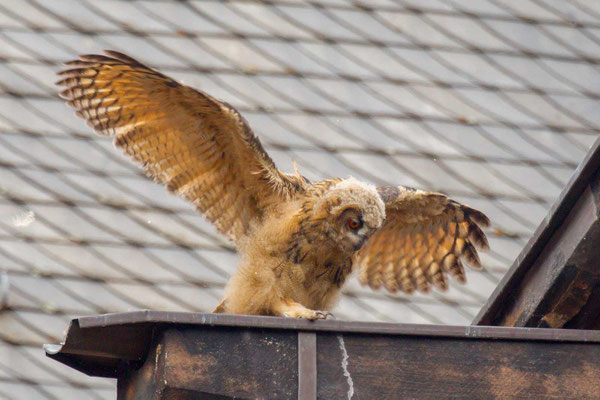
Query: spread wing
<point x="422" y="241"/>
<point x="200" y="148"/>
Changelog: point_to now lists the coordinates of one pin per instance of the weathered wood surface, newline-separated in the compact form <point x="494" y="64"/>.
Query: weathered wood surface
<point x="162" y="355"/>
<point x="555" y="281"/>
<point x="204" y="362"/>
<point x="561" y="287"/>
<point x="307" y="365"/>
<point x="199" y="363"/>
<point x="383" y="367"/>
<point x="193" y="363"/>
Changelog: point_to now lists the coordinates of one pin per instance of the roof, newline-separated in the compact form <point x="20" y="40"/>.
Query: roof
<point x="550" y="284"/>
<point x="492" y="103"/>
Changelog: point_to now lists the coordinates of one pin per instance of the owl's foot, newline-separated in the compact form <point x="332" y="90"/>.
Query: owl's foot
<point x="292" y="309"/>
<point x="325" y="314"/>
<point x="309" y="314"/>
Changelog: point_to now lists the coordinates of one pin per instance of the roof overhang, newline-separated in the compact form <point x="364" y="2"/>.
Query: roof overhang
<point x="167" y="354"/>
<point x="555" y="281"/>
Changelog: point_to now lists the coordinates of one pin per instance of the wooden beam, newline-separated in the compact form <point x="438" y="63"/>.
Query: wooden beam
<point x="204" y="362"/>
<point x="555" y="281"/>
<point x="215" y="363"/>
<point x="221" y="356"/>
<point x="384" y="367"/>
<point x="307" y="365"/>
<point x="561" y="280"/>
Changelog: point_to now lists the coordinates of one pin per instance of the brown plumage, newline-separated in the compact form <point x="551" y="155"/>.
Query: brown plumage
<point x="423" y="239"/>
<point x="298" y="240"/>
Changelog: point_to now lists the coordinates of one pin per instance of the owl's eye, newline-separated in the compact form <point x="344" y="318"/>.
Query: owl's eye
<point x="354" y="224"/>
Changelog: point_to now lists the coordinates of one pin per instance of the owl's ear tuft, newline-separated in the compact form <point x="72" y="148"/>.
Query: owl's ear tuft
<point x="326" y="205"/>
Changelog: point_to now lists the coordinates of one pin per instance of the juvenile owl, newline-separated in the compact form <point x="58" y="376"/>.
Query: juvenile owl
<point x="298" y="240"/>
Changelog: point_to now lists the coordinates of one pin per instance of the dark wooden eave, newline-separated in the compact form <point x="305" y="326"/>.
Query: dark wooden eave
<point x="167" y="355"/>
<point x="555" y="281"/>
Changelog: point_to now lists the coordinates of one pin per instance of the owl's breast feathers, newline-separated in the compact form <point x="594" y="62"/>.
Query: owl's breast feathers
<point x="310" y="243"/>
<point x="320" y="257"/>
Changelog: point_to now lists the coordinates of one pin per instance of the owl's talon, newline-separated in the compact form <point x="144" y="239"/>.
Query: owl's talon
<point x="324" y="315"/>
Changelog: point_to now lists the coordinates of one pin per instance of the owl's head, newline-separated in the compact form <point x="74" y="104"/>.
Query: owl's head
<point x="353" y="211"/>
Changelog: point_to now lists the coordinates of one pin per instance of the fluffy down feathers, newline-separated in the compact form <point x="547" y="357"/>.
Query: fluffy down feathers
<point x="297" y="239"/>
<point x="352" y="193"/>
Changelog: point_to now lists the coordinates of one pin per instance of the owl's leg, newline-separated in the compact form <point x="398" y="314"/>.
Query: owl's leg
<point x="291" y="309"/>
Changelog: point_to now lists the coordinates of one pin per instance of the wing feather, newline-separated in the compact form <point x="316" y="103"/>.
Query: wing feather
<point x="422" y="241"/>
<point x="200" y="148"/>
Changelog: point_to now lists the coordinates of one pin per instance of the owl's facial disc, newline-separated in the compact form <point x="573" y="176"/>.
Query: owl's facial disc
<point x="358" y="236"/>
<point x="354" y="232"/>
<point x="357" y="211"/>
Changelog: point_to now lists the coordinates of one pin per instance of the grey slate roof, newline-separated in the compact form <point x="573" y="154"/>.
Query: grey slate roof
<point x="491" y="102"/>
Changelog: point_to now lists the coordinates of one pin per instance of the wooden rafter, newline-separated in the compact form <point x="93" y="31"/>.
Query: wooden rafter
<point x="555" y="281"/>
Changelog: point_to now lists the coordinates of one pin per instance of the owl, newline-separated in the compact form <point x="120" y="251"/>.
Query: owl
<point x="298" y="240"/>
